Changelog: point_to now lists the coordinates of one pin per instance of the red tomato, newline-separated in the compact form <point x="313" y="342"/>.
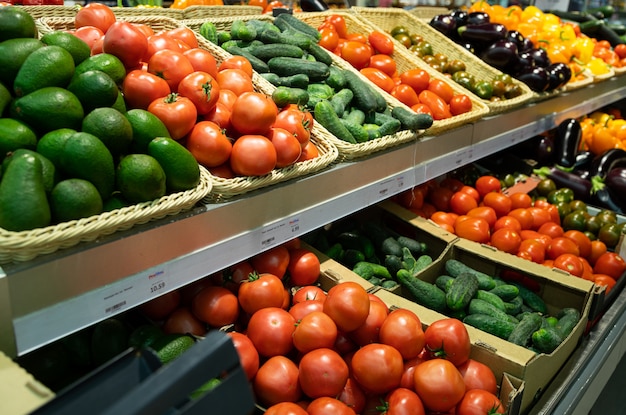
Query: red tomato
<point x="220" y="115"/>
<point x="479" y="402"/>
<point x="437" y="105"/>
<point x="473" y="228"/>
<point x="339" y="23"/>
<point x="520" y="200"/>
<point x="309" y="152"/>
<point x="185" y="35"/>
<point x="260" y="291"/>
<point x="383" y="62"/>
<point x="303" y="308"/>
<point x="407" y="380"/>
<point x="287" y="146"/>
<point x="403" y="401"/>
<point x="177" y="113"/>
<point x="440" y="197"/>
<point x="314" y="331"/>
<point x="309" y="292"/>
<point x="462" y="202"/>
<point x="405" y="94"/>
<point x="367" y="332"/>
<point x="202" y="89"/>
<point x="125" y="41"/>
<point x="182" y="321"/>
<point x="237" y="62"/>
<point x="304" y="267"/>
<point x="271" y="331"/>
<point x="273" y="261"/>
<point x="509" y="222"/>
<point x="499" y="202"/>
<point x="202" y="60"/>
<point x="208" y="144"/>
<point x="358" y="54"/>
<point x="89" y="34"/>
<point x="170" y="65"/>
<point x="286" y="408"/>
<point x="402" y="329"/>
<point x="523" y="216"/>
<point x="540" y="216"/>
<point x="353" y="396"/>
<point x="507" y="240"/>
<point x="248" y="356"/>
<point x="381" y="42"/>
<point x="253" y="155"/>
<point x="418" y="79"/>
<point x="296" y="122"/>
<point x="377" y="367"/>
<point x="253" y="113"/>
<point x="141" y="88"/>
<point x="326" y="405"/>
<point x="95" y="14"/>
<point x="234" y="275"/>
<point x="460" y="104"/>
<point x="329" y="39"/>
<point x="553" y="230"/>
<point x="227" y="97"/>
<point x="322" y="372"/>
<point x="561" y="245"/>
<point x="145" y="29"/>
<point x="215" y="306"/>
<point x="277" y="381"/>
<point x="159" y="41"/>
<point x="486" y="184"/>
<point x="441" y="88"/>
<point x="439" y="384"/>
<point x="162" y="306"/>
<point x="534" y="250"/>
<point x="477" y="375"/>
<point x="379" y="78"/>
<point x="422" y="109"/>
<point x="582" y="240"/>
<point x="604" y="281"/>
<point x="348" y="305"/>
<point x="611" y="264"/>
<point x="597" y="249"/>
<point x="484" y="212"/>
<point x="448" y="339"/>
<point x="235" y="80"/>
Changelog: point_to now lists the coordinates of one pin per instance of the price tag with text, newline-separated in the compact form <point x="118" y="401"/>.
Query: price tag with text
<point x="279" y="232"/>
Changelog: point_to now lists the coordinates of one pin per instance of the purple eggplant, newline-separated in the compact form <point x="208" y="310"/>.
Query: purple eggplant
<point x="616" y="179"/>
<point x="445" y="24"/>
<point x="500" y="54"/>
<point x="558" y="75"/>
<point x="605" y="196"/>
<point x="566" y="142"/>
<point x="477" y="18"/>
<point x="581" y="187"/>
<point x="545" y="149"/>
<point x="540" y="56"/>
<point x="524" y="60"/>
<point x="536" y="78"/>
<point x="460" y="16"/>
<point x="607" y="161"/>
<point x="485" y="34"/>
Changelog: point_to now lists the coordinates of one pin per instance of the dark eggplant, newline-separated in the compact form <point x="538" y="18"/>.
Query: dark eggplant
<point x="566" y="142"/>
<point x="445" y="24"/>
<point x="515" y="37"/>
<point x="540" y="56"/>
<point x="604" y="196"/>
<point x="545" y="149"/>
<point x="536" y="78"/>
<point x="524" y="60"/>
<point x="460" y="16"/>
<point x="558" y="75"/>
<point x="500" y="54"/>
<point x="583" y="161"/>
<point x="485" y="33"/>
<point x="610" y="159"/>
<point x="477" y="18"/>
<point x="581" y="187"/>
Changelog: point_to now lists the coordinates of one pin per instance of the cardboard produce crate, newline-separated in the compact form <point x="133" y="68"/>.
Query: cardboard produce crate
<point x="557" y="289"/>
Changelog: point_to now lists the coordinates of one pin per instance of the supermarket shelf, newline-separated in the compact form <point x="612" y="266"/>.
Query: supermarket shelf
<point x="55" y="295"/>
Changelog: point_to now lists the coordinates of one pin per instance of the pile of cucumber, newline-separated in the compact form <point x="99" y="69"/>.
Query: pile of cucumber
<point x="371" y="250"/>
<point x="287" y="54"/>
<point x="507" y="310"/>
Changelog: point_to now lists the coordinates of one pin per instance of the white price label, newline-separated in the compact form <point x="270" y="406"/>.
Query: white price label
<point x="117" y="298"/>
<point x="279" y="232"/>
<point x="387" y="188"/>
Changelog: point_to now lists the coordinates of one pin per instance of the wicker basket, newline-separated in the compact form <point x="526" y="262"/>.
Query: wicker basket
<point x="123" y="12"/>
<point x="385" y="19"/>
<point x="26" y="245"/>
<point x="428" y="12"/>
<point x="155" y="21"/>
<point x="213" y="12"/>
<point x="404" y="62"/>
<point x="38" y="12"/>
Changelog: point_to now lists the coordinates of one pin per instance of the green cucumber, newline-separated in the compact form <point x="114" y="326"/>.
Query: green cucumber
<point x="389" y="284"/>
<point x="209" y="32"/>
<point x="320" y="54"/>
<point x="493" y="325"/>
<point x="285" y="66"/>
<point x="461" y="291"/>
<point x="424" y="293"/>
<point x="336" y="79"/>
<point x="357" y="131"/>
<point x="531" y="299"/>
<point x="393" y="263"/>
<point x="351" y="257"/>
<point x="391" y="246"/>
<point x="341" y="101"/>
<point x="335" y="251"/>
<point x="373" y="131"/>
<point x="444" y="282"/>
<point x="364" y="96"/>
<point x="223" y="36"/>
<point x="368" y="270"/>
<point x="297" y="24"/>
<point x="355" y="240"/>
<point x="491" y="298"/>
<point x="355" y="116"/>
<point x="506" y="292"/>
<point x="514" y="307"/>
<point x="411" y="120"/>
<point x="546" y="339"/>
<point x="524" y="330"/>
<point x="326" y="116"/>
<point x="567" y="320"/>
<point x="243" y="31"/>
<point x="416" y="247"/>
<point x="294" y="81"/>
<point x="271" y="36"/>
<point x="268" y="51"/>
<point x="455" y="267"/>
<point x="478" y="306"/>
<point x="261" y="25"/>
<point x="284" y="95"/>
<point x="257" y="64"/>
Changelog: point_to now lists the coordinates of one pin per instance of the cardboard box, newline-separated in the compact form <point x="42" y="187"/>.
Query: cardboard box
<point x="557" y="289"/>
<point x="20" y="392"/>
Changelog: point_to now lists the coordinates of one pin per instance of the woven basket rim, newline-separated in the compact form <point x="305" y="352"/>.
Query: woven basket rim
<point x="26" y="245"/>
